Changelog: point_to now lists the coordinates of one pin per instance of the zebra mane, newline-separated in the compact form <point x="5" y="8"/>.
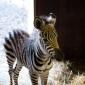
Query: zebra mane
<point x="35" y="35"/>
<point x="35" y="40"/>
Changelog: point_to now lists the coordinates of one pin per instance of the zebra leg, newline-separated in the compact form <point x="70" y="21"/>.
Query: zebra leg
<point x="44" y="78"/>
<point x="34" y="78"/>
<point x="10" y="61"/>
<point x="16" y="72"/>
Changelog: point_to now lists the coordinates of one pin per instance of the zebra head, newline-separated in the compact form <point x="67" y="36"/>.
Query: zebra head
<point x="46" y="25"/>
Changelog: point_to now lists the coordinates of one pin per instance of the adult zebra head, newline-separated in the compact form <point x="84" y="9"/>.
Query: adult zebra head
<point x="46" y="26"/>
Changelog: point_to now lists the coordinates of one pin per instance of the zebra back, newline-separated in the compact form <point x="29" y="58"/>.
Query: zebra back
<point x="14" y="44"/>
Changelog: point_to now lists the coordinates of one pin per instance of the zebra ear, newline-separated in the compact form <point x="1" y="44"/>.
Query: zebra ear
<point x="38" y="22"/>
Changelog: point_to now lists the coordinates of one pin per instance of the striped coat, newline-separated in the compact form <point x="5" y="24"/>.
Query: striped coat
<point x="32" y="52"/>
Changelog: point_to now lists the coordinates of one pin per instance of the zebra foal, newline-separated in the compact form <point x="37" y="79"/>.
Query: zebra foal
<point x="32" y="52"/>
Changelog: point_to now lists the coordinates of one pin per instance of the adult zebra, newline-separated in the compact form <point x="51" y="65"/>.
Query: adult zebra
<point x="32" y="52"/>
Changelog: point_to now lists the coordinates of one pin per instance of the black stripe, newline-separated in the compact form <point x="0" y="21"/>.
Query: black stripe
<point x="10" y="59"/>
<point x="7" y="48"/>
<point x="33" y="63"/>
<point x="7" y="41"/>
<point x="16" y="42"/>
<point x="20" y="35"/>
<point x="36" y="62"/>
<point x="12" y="39"/>
<point x="39" y="59"/>
<point x="9" y="54"/>
<point x="49" y="62"/>
<point x="40" y="53"/>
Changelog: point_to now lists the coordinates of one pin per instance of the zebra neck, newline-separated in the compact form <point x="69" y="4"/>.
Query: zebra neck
<point x="40" y="57"/>
<point x="40" y="49"/>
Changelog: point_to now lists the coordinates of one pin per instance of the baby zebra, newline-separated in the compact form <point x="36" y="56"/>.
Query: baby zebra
<point x="33" y="52"/>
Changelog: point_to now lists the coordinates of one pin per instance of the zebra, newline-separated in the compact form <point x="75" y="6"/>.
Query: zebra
<point x="32" y="51"/>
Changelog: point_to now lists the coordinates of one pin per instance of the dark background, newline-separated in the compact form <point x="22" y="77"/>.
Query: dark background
<point x="70" y="27"/>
